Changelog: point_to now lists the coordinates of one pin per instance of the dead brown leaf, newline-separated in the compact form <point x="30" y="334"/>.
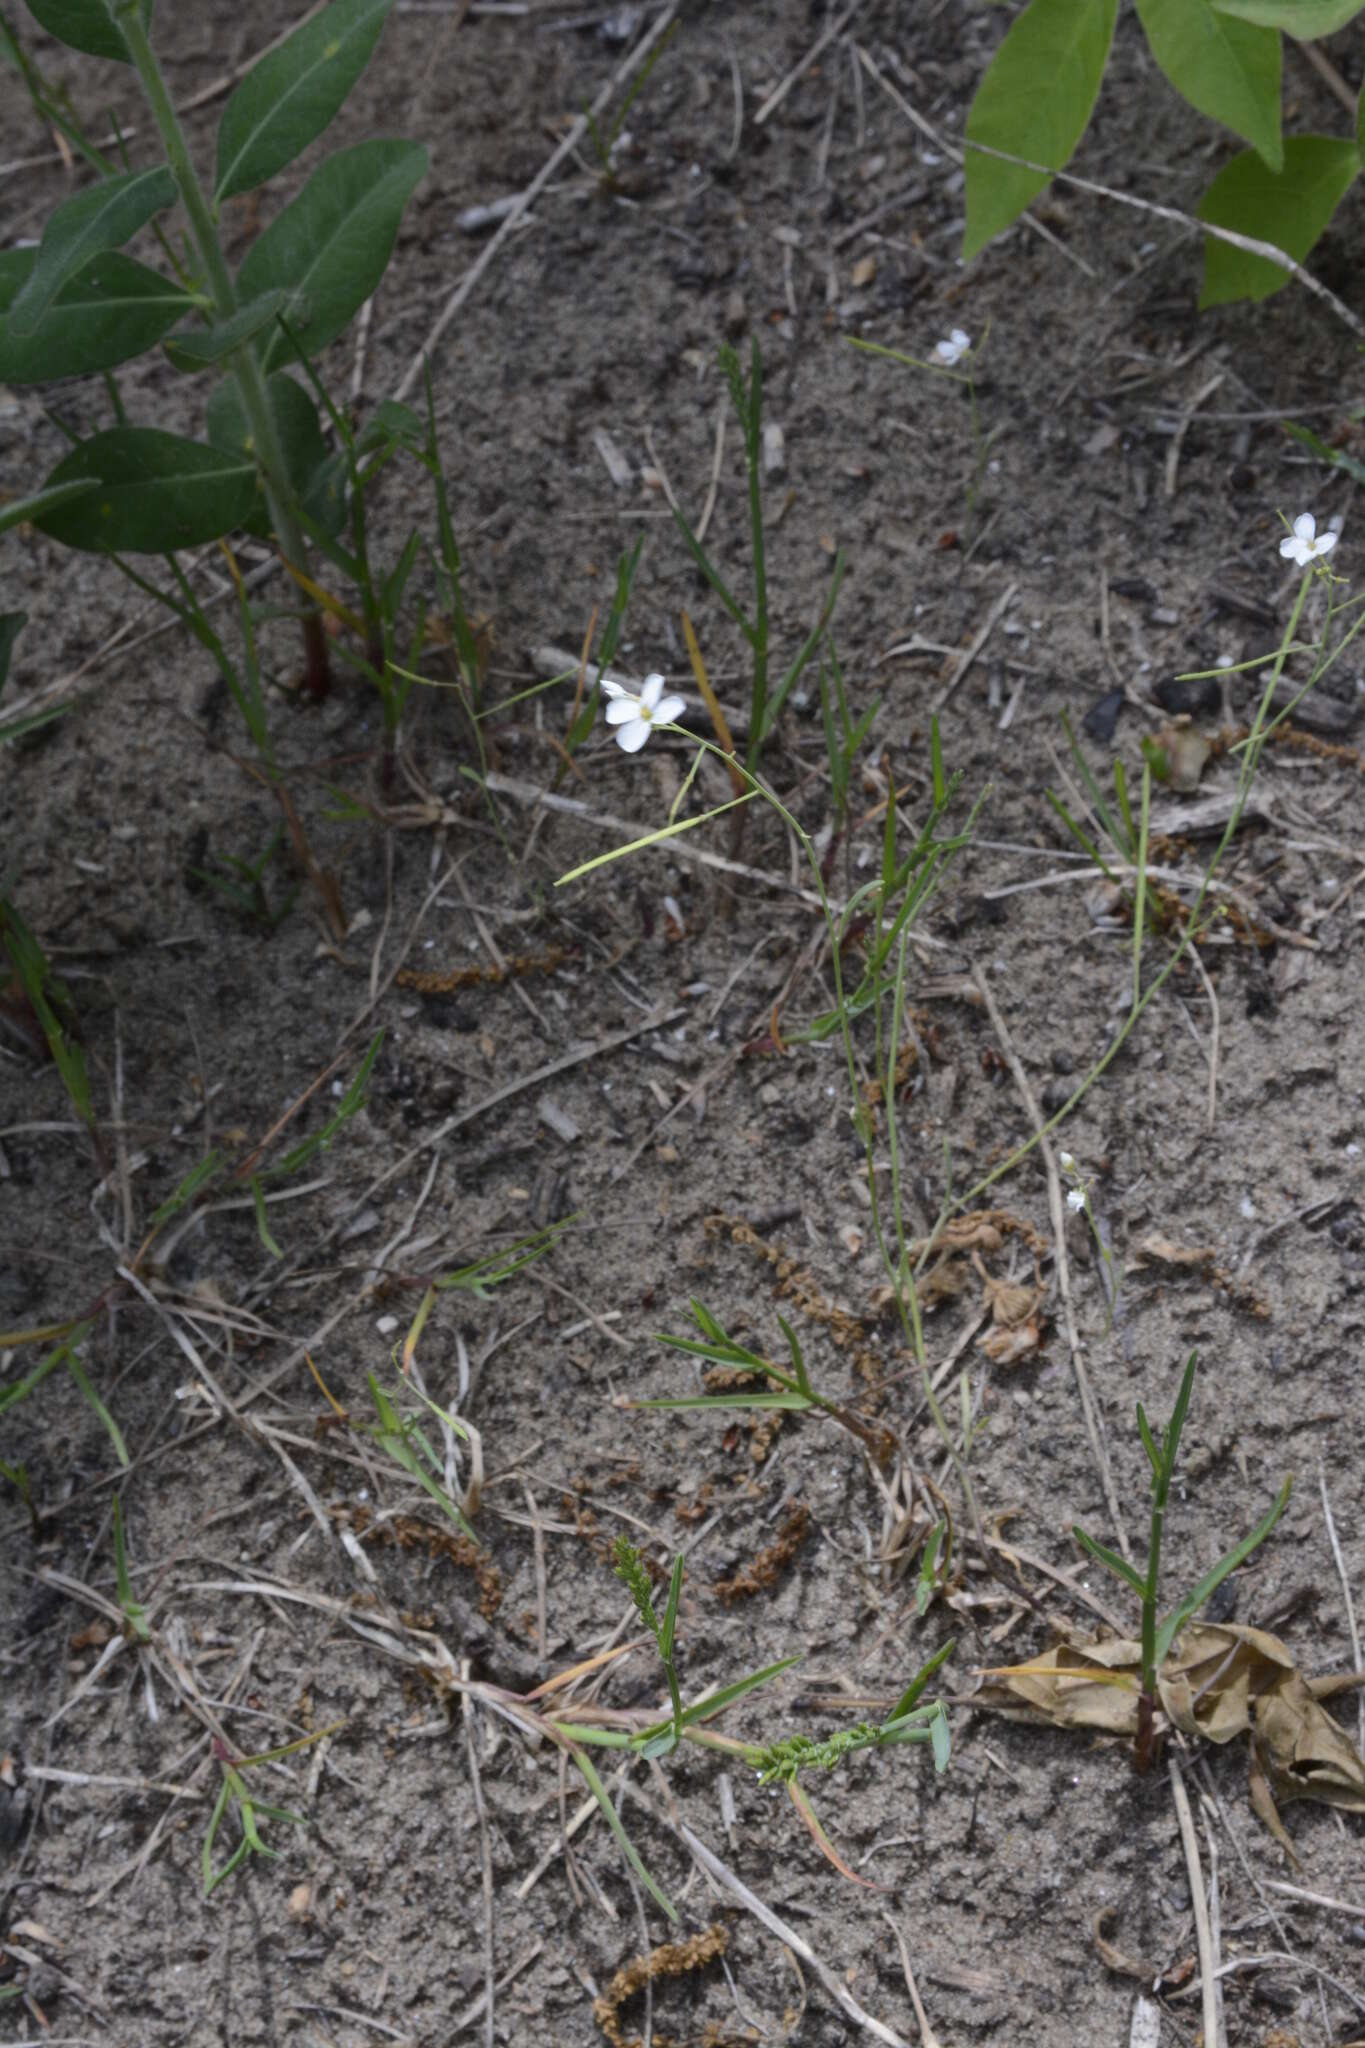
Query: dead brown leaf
<point x="1222" y="1682"/>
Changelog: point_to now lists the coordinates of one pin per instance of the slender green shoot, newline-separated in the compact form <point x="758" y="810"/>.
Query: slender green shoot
<point x="1159" y="1635"/>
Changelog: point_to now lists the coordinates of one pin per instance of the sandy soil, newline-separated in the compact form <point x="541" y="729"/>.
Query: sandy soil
<point x="1124" y="530"/>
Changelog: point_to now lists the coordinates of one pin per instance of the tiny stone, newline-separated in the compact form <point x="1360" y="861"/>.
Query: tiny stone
<point x="736" y="313"/>
<point x="1062" y="1061"/>
<point x="1056" y="1096"/>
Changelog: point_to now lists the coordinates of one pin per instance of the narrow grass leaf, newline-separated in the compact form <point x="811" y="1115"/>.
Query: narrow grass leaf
<point x="613" y="1821"/>
<point x="1209" y="1584"/>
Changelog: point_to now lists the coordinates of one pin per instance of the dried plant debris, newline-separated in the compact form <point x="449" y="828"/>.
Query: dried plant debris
<point x="797" y="1284"/>
<point x="409" y="1532"/>
<point x="762" y="1575"/>
<point x="1157" y="1253"/>
<point x="1222" y="1681"/>
<point x="434" y="983"/>
<point x="1016" y="1317"/>
<point x="671" y="1959"/>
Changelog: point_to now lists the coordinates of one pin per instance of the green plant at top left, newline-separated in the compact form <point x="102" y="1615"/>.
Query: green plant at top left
<point x="79" y="305"/>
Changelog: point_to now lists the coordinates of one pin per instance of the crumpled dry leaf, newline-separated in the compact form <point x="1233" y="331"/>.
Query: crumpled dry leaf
<point x="1222" y="1681"/>
<point x="1164" y="1251"/>
<point x="1015" y="1330"/>
<point x="1007" y="1344"/>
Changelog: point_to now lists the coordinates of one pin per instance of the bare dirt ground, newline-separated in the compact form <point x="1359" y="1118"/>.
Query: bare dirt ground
<point x="1125" y="530"/>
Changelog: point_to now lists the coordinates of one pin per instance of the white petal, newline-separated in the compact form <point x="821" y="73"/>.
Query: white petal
<point x="611" y="689"/>
<point x="632" y="737"/>
<point x="668" y="709"/>
<point x="1323" y="545"/>
<point x="622" y="711"/>
<point x="1305" y="526"/>
<point x="961" y="342"/>
<point x="1289" y="547"/>
<point x="651" y="690"/>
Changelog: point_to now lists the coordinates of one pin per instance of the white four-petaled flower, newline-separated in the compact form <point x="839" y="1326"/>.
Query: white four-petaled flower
<point x="1075" y="1200"/>
<point x="1305" y="542"/>
<point x="953" y="349"/>
<point x="635" y="717"/>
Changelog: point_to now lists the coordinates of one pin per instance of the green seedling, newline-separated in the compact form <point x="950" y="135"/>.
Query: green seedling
<point x="235" y="1792"/>
<point x="844" y="737"/>
<point x="765" y="701"/>
<point x="136" y="1626"/>
<point x="773" y="1762"/>
<point x="604" y="140"/>
<point x="402" y="1439"/>
<point x="954" y="349"/>
<point x="1159" y="1636"/>
<point x="791" y="1391"/>
<point x="243" y="885"/>
<point x="1224" y="57"/>
<point x="47" y="999"/>
<point x="72" y="1335"/>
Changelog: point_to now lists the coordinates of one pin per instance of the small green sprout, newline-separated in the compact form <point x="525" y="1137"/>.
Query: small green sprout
<point x="1157" y="1638"/>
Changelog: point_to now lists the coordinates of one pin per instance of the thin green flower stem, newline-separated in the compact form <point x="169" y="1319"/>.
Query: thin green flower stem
<point x="1252" y="749"/>
<point x="246" y="371"/>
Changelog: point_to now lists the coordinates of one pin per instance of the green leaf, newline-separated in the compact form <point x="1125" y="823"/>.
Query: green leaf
<point x="291" y="95"/>
<point x="158" y="492"/>
<point x="1209" y="1584"/>
<point x="198" y="348"/>
<point x="333" y="243"/>
<point x="296" y="424"/>
<point x="1034" y="102"/>
<point x="12" y="625"/>
<point x="1228" y="69"/>
<point x="112" y="309"/>
<point x="1289" y="208"/>
<point x="1336" y="458"/>
<point x="104" y="217"/>
<point x="85" y="25"/>
<point x="1111" y="1560"/>
<point x="1302" y="19"/>
<point x="47" y="500"/>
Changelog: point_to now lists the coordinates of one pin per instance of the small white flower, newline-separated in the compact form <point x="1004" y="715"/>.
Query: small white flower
<point x="1306" y="542"/>
<point x="1075" y="1200"/>
<point x="1067" y="1162"/>
<point x="633" y="717"/>
<point x="953" y="349"/>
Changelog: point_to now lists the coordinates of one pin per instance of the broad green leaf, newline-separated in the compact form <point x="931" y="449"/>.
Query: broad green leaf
<point x="198" y="348"/>
<point x="1289" y="208"/>
<point x="104" y="217"/>
<point x="332" y="244"/>
<point x="157" y="492"/>
<point x="1228" y="69"/>
<point x="1302" y="19"/>
<point x="291" y="95"/>
<point x="295" y="422"/>
<point x="18" y="510"/>
<point x="1034" y="102"/>
<point x="85" y="25"/>
<point x="111" y="310"/>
